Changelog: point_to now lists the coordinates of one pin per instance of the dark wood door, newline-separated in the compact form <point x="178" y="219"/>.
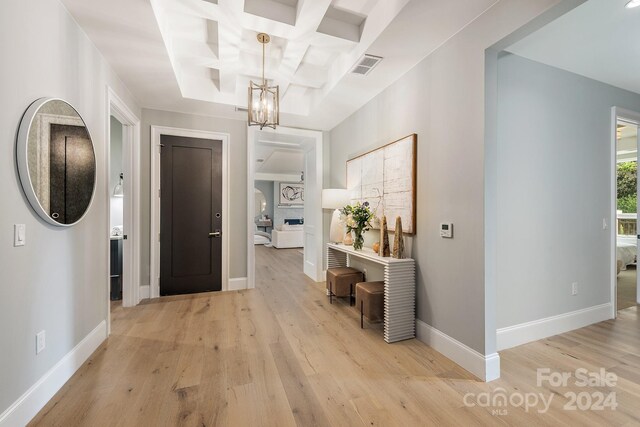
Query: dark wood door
<point x="190" y="215"/>
<point x="71" y="172"/>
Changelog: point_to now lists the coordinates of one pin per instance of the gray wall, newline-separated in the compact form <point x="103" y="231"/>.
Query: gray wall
<point x="117" y="207"/>
<point x="58" y="281"/>
<point x="553" y="175"/>
<point x="237" y="130"/>
<point x="442" y="99"/>
<point x="267" y="189"/>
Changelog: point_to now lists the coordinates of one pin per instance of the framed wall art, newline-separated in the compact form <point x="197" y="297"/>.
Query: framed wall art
<point x="291" y="194"/>
<point x="386" y="178"/>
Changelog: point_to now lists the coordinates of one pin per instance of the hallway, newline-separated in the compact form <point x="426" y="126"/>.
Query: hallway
<point x="281" y="355"/>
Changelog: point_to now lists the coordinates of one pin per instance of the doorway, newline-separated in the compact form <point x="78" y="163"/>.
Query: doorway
<point x="190" y="215"/>
<point x="116" y="213"/>
<point x="200" y="164"/>
<point x="123" y="203"/>
<point x="626" y="283"/>
<point x="284" y="186"/>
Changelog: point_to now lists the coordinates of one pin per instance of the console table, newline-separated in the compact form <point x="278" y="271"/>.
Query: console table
<point x="399" y="288"/>
<point x="264" y="223"/>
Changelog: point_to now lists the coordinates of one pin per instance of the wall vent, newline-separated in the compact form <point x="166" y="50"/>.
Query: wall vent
<point x="366" y="64"/>
<point x="241" y="109"/>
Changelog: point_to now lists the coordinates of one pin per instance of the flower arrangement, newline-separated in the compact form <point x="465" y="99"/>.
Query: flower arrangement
<point x="357" y="218"/>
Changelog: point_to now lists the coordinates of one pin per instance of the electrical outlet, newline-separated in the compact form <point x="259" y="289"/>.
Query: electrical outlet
<point x="574" y="288"/>
<point x="40" y="341"/>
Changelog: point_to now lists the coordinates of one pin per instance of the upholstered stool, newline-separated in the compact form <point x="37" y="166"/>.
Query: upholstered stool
<point x="370" y="298"/>
<point x="341" y="282"/>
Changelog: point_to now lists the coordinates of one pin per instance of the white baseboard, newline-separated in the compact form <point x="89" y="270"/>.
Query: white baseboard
<point x="487" y="368"/>
<point x="523" y="333"/>
<point x="34" y="399"/>
<point x="237" y="284"/>
<point x="145" y="292"/>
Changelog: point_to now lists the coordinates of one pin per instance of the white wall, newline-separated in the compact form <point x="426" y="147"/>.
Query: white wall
<point x="553" y="192"/>
<point x="58" y="281"/>
<point x="237" y="129"/>
<point x="443" y="100"/>
<point x="117" y="203"/>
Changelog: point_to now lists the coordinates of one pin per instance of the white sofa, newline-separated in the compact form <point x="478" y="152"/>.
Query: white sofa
<point x="288" y="236"/>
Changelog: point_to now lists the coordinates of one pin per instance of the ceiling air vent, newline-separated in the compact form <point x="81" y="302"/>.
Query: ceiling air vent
<point x="366" y="64"/>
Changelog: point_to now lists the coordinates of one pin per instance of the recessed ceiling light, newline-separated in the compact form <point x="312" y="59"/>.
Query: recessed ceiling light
<point x="632" y="4"/>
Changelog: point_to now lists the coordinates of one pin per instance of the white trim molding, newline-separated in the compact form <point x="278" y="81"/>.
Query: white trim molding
<point x="117" y="108"/>
<point x="237" y="284"/>
<point x="487" y="368"/>
<point x="156" y="133"/>
<point x="145" y="292"/>
<point x="617" y="113"/>
<point x="315" y="272"/>
<point x="34" y="399"/>
<point x="523" y="333"/>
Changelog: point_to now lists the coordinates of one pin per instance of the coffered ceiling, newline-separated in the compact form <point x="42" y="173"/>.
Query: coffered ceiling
<point x="197" y="56"/>
<point x="314" y="44"/>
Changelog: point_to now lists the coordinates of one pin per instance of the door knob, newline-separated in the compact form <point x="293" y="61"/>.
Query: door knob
<point x="215" y="234"/>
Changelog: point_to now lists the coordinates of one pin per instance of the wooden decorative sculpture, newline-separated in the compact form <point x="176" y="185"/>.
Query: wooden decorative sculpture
<point x="398" y="243"/>
<point x="384" y="238"/>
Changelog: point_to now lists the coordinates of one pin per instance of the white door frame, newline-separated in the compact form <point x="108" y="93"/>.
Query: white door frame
<point x="633" y="117"/>
<point x="252" y="134"/>
<point x="117" y="108"/>
<point x="156" y="133"/>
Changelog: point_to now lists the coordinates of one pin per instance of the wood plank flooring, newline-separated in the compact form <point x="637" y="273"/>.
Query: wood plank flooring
<point x="281" y="355"/>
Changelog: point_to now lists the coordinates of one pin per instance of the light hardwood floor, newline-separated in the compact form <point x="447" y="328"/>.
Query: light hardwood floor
<point x="280" y="355"/>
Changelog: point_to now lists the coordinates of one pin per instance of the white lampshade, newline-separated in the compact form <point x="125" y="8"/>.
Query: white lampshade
<point x="335" y="198"/>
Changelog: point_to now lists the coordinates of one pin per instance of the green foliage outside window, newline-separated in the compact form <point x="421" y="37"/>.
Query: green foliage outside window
<point x="627" y="184"/>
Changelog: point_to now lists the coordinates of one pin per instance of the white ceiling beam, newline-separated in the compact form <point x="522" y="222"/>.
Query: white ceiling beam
<point x="211" y="51"/>
<point x="229" y="42"/>
<point x="309" y="16"/>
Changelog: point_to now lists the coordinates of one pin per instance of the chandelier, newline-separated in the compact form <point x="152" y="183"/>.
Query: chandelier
<point x="264" y="104"/>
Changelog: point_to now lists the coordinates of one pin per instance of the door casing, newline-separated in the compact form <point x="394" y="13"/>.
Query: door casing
<point x="131" y="290"/>
<point x="154" y="241"/>
<point x="618" y="113"/>
<point x="317" y="274"/>
<point x="190" y="258"/>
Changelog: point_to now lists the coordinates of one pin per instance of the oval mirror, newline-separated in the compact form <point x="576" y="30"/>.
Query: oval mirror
<point x="261" y="202"/>
<point x="56" y="161"/>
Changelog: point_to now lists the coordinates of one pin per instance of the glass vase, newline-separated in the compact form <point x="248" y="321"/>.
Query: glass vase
<point x="358" y="239"/>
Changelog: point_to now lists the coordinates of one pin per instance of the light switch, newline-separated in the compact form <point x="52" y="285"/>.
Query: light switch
<point x="40" y="341"/>
<point x="19" y="234"/>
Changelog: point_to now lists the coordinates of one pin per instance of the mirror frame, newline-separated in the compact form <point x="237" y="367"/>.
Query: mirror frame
<point x="265" y="202"/>
<point x="22" y="161"/>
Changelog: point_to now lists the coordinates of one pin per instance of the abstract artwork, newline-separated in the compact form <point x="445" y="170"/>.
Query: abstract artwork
<point x="386" y="178"/>
<point x="291" y="194"/>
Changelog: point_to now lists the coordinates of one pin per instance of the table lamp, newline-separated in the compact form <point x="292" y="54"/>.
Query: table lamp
<point x="335" y="198"/>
